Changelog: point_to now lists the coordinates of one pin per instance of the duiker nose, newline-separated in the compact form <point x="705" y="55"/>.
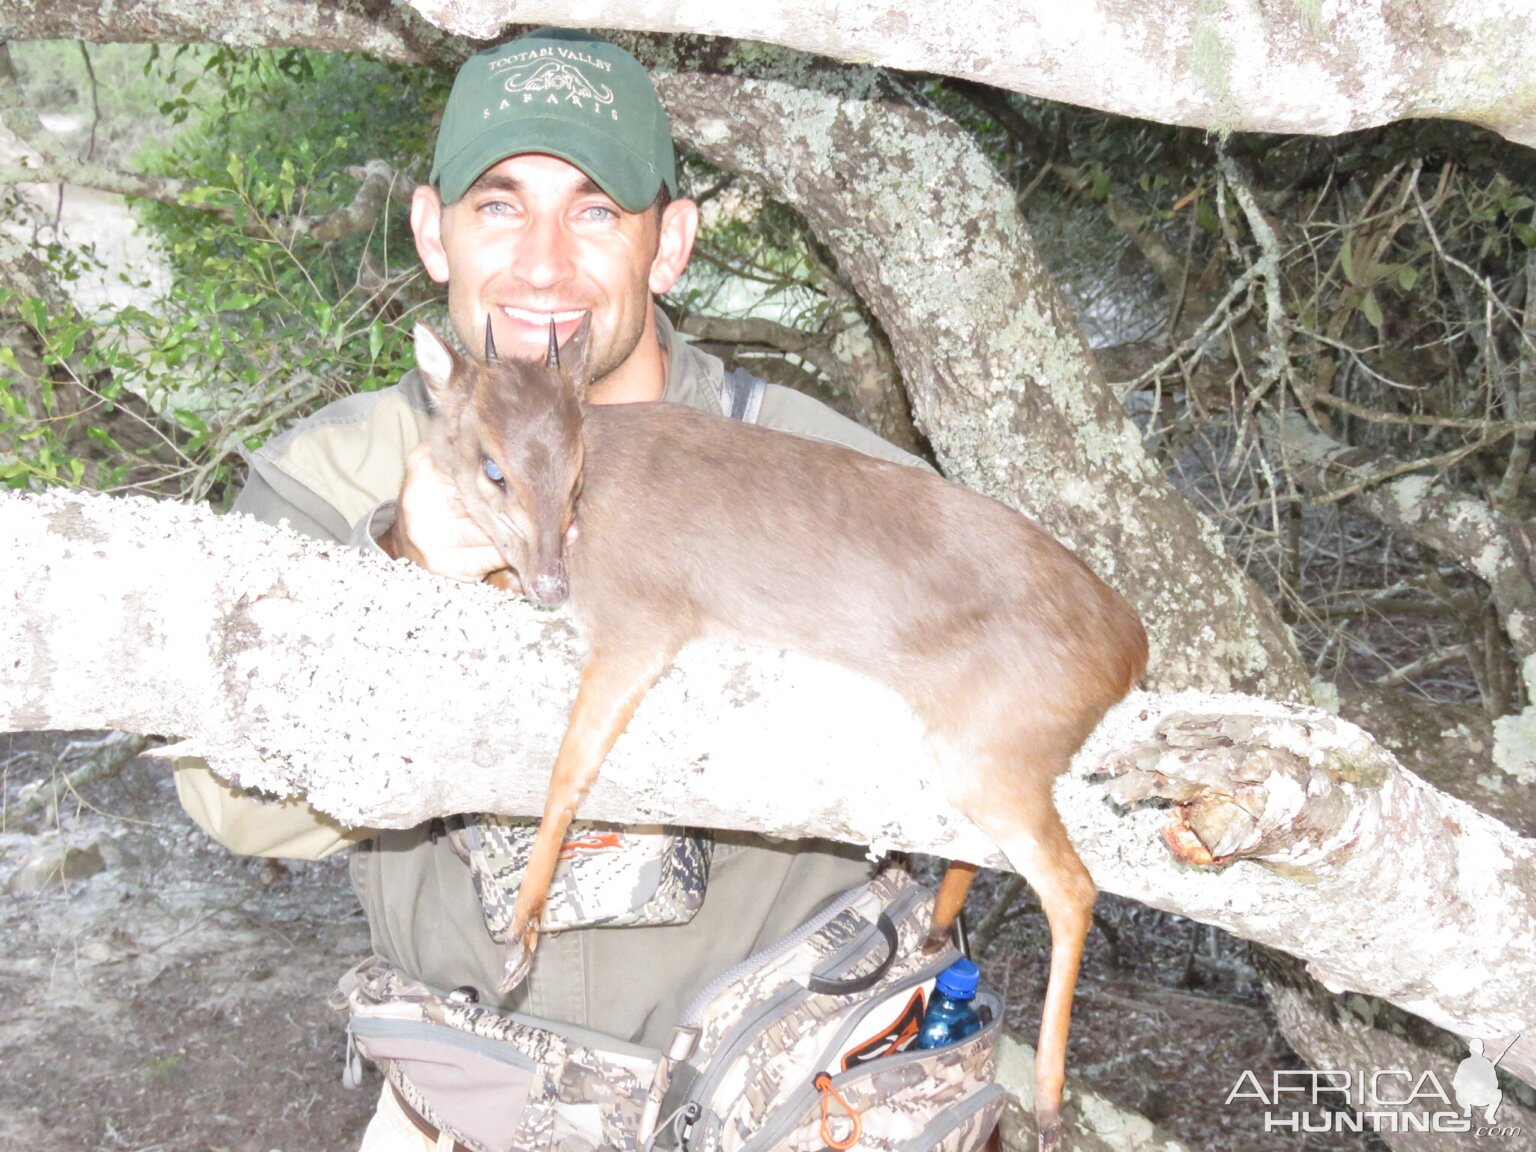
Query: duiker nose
<point x="548" y="590"/>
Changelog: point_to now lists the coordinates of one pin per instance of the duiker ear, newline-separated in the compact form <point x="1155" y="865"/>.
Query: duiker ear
<point x="573" y="357"/>
<point x="436" y="362"/>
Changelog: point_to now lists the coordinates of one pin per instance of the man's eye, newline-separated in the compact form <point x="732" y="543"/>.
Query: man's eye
<point x="598" y="212"/>
<point x="493" y="471"/>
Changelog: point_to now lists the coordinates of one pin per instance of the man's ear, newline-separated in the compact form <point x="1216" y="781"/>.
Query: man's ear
<point x="427" y="226"/>
<point x="679" y="226"/>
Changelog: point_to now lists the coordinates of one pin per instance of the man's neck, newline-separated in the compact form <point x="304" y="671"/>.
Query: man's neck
<point x="642" y="379"/>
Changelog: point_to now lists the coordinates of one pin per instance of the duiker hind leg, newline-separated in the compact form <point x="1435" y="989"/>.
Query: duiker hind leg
<point x="1021" y="818"/>
<point x="947" y="905"/>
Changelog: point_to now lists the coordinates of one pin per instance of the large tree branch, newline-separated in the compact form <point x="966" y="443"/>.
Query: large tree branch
<point x="388" y="696"/>
<point x="1270" y="68"/>
<point x="378" y="28"/>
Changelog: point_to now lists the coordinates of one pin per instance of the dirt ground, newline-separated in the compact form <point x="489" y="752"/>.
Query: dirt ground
<point x="167" y="995"/>
<point x="175" y="998"/>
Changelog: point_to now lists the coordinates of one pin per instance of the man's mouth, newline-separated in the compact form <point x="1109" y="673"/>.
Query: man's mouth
<point x="525" y="331"/>
<point x="542" y="319"/>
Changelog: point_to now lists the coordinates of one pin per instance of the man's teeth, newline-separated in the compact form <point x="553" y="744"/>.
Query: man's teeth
<point x="541" y="317"/>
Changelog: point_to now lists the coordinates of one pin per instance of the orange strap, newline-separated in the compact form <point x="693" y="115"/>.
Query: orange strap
<point x="823" y="1083"/>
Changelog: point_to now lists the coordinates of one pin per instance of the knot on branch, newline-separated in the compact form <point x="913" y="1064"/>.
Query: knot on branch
<point x="1286" y="792"/>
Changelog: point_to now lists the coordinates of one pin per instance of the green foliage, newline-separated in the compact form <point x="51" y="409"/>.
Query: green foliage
<point x="276" y="136"/>
<point x="256" y="329"/>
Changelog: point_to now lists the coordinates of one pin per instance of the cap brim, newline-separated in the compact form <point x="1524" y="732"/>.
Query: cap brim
<point x="629" y="178"/>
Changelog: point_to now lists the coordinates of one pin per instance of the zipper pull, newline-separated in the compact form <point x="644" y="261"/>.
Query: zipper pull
<point x="684" y="1123"/>
<point x="823" y="1084"/>
<point x="352" y="1064"/>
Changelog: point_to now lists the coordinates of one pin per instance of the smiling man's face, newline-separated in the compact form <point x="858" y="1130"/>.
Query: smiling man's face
<point x="535" y="239"/>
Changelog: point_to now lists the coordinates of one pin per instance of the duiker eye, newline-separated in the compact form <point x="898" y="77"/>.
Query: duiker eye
<point x="493" y="472"/>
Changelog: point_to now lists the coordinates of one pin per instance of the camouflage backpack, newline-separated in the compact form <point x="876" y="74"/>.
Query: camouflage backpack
<point x="802" y="1047"/>
<point x="807" y="1045"/>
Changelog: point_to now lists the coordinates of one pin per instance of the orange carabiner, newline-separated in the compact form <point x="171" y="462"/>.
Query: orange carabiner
<point x="823" y="1084"/>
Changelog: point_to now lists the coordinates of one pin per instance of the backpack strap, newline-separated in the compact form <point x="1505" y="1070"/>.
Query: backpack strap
<point x="741" y="395"/>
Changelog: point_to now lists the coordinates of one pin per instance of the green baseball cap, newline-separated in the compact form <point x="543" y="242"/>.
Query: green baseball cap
<point x="564" y="93"/>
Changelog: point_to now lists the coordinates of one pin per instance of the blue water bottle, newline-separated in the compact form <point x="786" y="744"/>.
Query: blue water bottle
<point x="950" y="1016"/>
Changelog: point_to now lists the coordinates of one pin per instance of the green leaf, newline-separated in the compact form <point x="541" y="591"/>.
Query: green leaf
<point x="67" y="338"/>
<point x="1205" y="216"/>
<point x="1407" y="277"/>
<point x="1347" y="260"/>
<point x="1372" y="309"/>
<point x="1525" y="234"/>
<point x="103" y="437"/>
<point x="33" y="312"/>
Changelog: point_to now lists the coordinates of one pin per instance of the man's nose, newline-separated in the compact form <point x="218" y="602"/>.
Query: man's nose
<point x="544" y="253"/>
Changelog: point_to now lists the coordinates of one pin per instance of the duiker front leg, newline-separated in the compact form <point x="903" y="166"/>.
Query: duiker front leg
<point x="612" y="686"/>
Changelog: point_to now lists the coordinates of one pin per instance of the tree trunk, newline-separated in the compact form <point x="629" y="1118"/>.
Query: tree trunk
<point x="302" y="669"/>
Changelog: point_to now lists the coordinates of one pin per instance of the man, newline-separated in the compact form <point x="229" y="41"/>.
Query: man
<point x="553" y="194"/>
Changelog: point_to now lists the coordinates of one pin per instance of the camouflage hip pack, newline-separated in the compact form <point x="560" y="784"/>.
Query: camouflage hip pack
<point x="807" y="1045"/>
<point x="609" y="876"/>
<point x="495" y="1081"/>
<point x="803" y="1047"/>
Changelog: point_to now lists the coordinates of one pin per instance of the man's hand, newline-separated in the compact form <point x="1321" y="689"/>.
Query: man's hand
<point x="431" y="528"/>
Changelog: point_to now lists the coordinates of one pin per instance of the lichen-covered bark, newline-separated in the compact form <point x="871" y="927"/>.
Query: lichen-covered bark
<point x="1001" y="382"/>
<point x="1449" y="745"/>
<point x="1321" y="68"/>
<point x="379" y="28"/>
<point x="388" y="696"/>
<point x="1348" y="834"/>
<point x="1297" y="67"/>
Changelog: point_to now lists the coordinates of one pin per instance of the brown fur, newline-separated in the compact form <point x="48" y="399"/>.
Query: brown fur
<point x="1005" y="643"/>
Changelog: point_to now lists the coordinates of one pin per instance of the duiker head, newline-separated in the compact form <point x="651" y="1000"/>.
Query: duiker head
<point x="508" y="433"/>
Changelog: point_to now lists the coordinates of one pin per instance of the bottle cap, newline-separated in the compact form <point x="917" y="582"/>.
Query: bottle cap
<point x="959" y="980"/>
